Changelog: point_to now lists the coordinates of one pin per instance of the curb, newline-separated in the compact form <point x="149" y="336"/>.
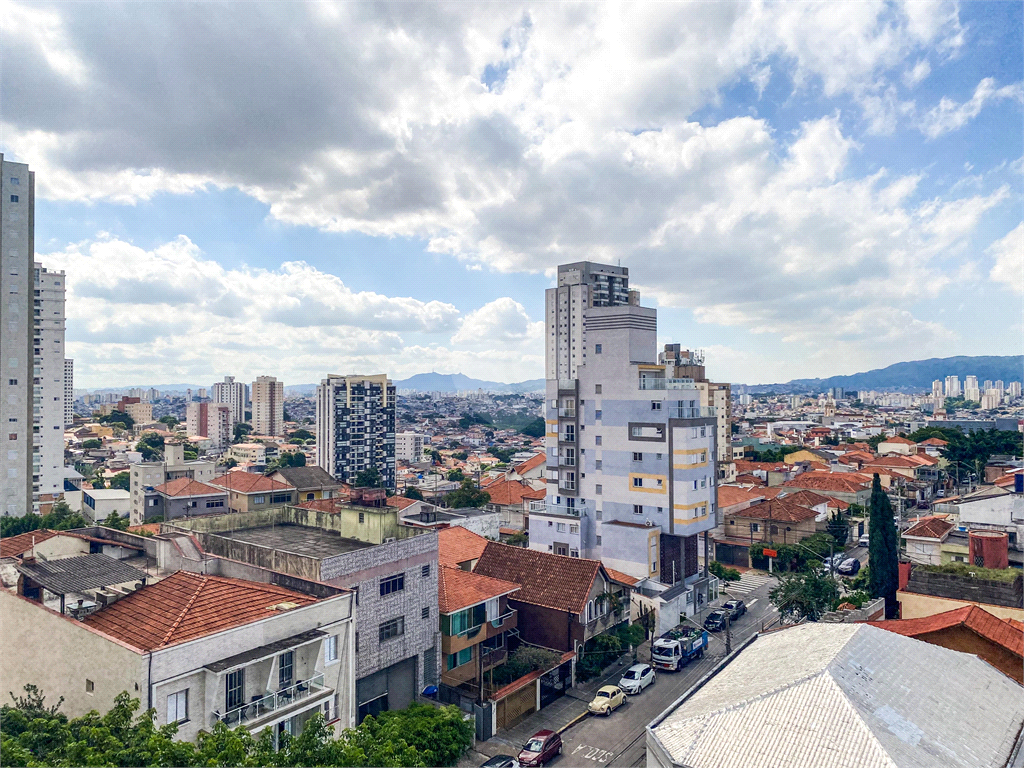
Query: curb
<point x="571" y="723"/>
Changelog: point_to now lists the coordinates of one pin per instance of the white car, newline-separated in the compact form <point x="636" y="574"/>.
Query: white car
<point x="862" y="541"/>
<point x="636" y="678"/>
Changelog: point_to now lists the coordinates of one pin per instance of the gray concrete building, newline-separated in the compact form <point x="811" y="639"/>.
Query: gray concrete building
<point x="147" y="475"/>
<point x="355" y="426"/>
<point x="17" y="251"/>
<point x="631" y="450"/>
<point x="391" y="568"/>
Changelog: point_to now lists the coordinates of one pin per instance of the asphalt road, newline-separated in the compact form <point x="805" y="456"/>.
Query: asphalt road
<point x="618" y="740"/>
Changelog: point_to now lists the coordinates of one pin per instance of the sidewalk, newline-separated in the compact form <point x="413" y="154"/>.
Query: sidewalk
<point x="559" y="715"/>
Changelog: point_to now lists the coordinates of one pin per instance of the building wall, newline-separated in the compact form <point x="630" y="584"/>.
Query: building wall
<point x="355" y="426"/>
<point x="546" y="626"/>
<point x="409" y="446"/>
<point x="17" y="250"/>
<point x="914" y="605"/>
<point x="232" y="394"/>
<point x="960" y="638"/>
<point x="487" y="526"/>
<point x="153" y="473"/>
<point x="268" y="406"/>
<point x="111" y="666"/>
<point x="69" y="392"/>
<point x="48" y="399"/>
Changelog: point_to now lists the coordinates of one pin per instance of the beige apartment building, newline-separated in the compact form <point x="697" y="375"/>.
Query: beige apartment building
<point x="268" y="406"/>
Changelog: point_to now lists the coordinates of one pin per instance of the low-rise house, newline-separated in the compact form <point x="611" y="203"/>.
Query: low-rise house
<point x="932" y="446"/>
<point x="423" y="514"/>
<point x="845" y="486"/>
<point x="197" y="649"/>
<point x="391" y="568"/>
<point x="249" y="492"/>
<point x="842" y="694"/>
<point x="98" y="503"/>
<point x="249" y="453"/>
<point x="563" y="601"/>
<point x="993" y="508"/>
<point x="310" y="482"/>
<point x="512" y="500"/>
<point x="184" y="497"/>
<point x="898" y="445"/>
<point x="925" y="539"/>
<point x="970" y="629"/>
<point x="149" y="474"/>
<point x="777" y="521"/>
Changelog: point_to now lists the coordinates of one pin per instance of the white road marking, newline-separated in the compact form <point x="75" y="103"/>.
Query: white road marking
<point x="593" y="753"/>
<point x="751" y="603"/>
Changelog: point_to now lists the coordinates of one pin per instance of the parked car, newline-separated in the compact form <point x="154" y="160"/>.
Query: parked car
<point x="608" y="699"/>
<point x="736" y="608"/>
<point x="863" y="541"/>
<point x="637" y="677"/>
<point x="540" y="749"/>
<point x="832" y="563"/>
<point x="849" y="567"/>
<point x="501" y="761"/>
<point x="716" y="620"/>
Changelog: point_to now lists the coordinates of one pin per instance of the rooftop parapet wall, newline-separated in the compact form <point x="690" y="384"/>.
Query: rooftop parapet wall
<point x="958" y="587"/>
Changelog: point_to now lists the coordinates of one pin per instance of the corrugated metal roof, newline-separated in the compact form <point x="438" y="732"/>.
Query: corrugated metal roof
<point x="76" y="574"/>
<point x="849" y="696"/>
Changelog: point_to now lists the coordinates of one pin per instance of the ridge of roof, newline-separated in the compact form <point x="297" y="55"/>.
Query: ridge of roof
<point x="552" y="581"/>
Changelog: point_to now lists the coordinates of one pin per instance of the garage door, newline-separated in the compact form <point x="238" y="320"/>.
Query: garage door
<point x="516" y="706"/>
<point x="391" y="688"/>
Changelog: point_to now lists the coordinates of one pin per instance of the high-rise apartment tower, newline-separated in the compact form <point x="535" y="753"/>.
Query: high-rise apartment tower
<point x="232" y="393"/>
<point x="355" y="426"/>
<point x="268" y="406"/>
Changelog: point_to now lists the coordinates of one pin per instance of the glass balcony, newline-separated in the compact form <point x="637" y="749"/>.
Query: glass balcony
<point x="567" y="413"/>
<point x="700" y="412"/>
<point x="273" y="701"/>
<point x="651" y="383"/>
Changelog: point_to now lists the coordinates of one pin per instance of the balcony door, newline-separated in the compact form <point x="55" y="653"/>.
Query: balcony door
<point x="235" y="693"/>
<point x="285" y="669"/>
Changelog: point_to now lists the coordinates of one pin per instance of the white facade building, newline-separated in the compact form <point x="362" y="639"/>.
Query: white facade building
<point x="211" y="420"/>
<point x="69" y="392"/>
<point x="149" y="474"/>
<point x="631" y="451"/>
<point x="409" y="447"/>
<point x="953" y="386"/>
<point x="17" y="248"/>
<point x="232" y="393"/>
<point x="48" y="413"/>
<point x="268" y="406"/>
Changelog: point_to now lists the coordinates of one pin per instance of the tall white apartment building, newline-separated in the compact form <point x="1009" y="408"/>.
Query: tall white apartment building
<point x="409" y="447"/>
<point x="355" y="426"/>
<point x="937" y="388"/>
<point x="631" y="450"/>
<point x="48" y="395"/>
<point x="952" y="386"/>
<point x="971" y="389"/>
<point x="17" y="249"/>
<point x="212" y="420"/>
<point x="1014" y="389"/>
<point x="268" y="406"/>
<point x="69" y="391"/>
<point x="231" y="393"/>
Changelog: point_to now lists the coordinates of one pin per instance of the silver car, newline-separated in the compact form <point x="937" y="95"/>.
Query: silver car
<point x="636" y="678"/>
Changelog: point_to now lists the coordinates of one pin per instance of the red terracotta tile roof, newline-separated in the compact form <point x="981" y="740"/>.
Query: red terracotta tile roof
<point x="973" y="617"/>
<point x="512" y="492"/>
<point x="185" y="606"/>
<point x="15" y="546"/>
<point x="837" y="503"/>
<point x="457" y="545"/>
<point x="458" y="589"/>
<point x="186" y="486"/>
<point x="553" y="581"/>
<point x="934" y="527"/>
<point x="933" y="441"/>
<point x="153" y="528"/>
<point x="781" y="510"/>
<point x="893" y="460"/>
<point x="400" y="502"/>
<point x="247" y="482"/>
<point x="773" y="492"/>
<point x="621" y="577"/>
<point x="508" y="531"/>
<point x="899" y="440"/>
<point x="827" y="481"/>
<point x="531" y="463"/>
<point x="742" y="465"/>
<point x="750" y="480"/>
<point x="856" y="457"/>
<point x="729" y="495"/>
<point x="806" y="498"/>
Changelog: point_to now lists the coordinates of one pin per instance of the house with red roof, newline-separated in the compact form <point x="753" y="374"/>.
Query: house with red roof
<point x="184" y="497"/>
<point x="197" y="648"/>
<point x="850" y="487"/>
<point x="512" y="500"/>
<point x="898" y="445"/>
<point x="925" y="537"/>
<point x="778" y="520"/>
<point x="248" y="492"/>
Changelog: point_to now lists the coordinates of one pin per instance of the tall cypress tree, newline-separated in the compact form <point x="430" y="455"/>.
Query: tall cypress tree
<point x="883" y="550"/>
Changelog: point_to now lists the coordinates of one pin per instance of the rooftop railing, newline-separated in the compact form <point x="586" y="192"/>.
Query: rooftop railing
<point x="651" y="383"/>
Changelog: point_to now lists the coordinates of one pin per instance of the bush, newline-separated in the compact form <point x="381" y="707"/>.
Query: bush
<point x="524" y="660"/>
<point x="857" y="598"/>
<point x="722" y="572"/>
<point x="598" y="653"/>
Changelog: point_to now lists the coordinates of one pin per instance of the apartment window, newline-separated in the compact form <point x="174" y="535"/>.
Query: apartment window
<point x="425" y="570"/>
<point x="211" y="504"/>
<point x="392" y="584"/>
<point x="659" y="456"/>
<point x="574" y="529"/>
<point x="280" y="498"/>
<point x="392" y="628"/>
<point x="693" y="432"/>
<point x="259" y="499"/>
<point x="597" y="347"/>
<point x="597" y="489"/>
<point x="638" y="509"/>
<point x="14" y="199"/>
<point x="15" y="180"/>
<point x="357" y="642"/>
<point x="12" y="382"/>
<point x="695" y="485"/>
<point x="755" y="527"/>
<point x="597" y="389"/>
<point x="331" y="649"/>
<point x="703" y="430"/>
<point x="458" y="659"/>
<point x="362" y="517"/>
<point x="285" y="668"/>
<point x="655" y="405"/>
<point x="654" y="555"/>
<point x="638" y="482"/>
<point x="638" y="456"/>
<point x="704" y="457"/>
<point x="703" y="482"/>
<point x="235" y="694"/>
<point x="598" y="541"/>
<point x="560" y="527"/>
<point x="425" y="613"/>
<point x="90" y="686"/>
<point x="598" y="464"/>
<point x="597" y="440"/>
<point x="177" y="707"/>
<point x="574" y="553"/>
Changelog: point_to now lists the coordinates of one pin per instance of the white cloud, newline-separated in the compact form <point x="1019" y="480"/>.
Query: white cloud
<point x="949" y="115"/>
<point x="503" y="324"/>
<point x="1008" y="253"/>
<point x="917" y="73"/>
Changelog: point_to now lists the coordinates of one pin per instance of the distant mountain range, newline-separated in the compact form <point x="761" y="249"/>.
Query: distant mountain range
<point x="443" y="382"/>
<point x="913" y="376"/>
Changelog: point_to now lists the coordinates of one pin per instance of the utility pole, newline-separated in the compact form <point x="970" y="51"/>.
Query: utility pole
<point x="728" y="633"/>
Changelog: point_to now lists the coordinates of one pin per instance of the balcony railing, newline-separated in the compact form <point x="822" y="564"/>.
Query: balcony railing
<point x="567" y="384"/>
<point x="538" y="506"/>
<point x="699" y="412"/>
<point x="567" y="413"/>
<point x="567" y="461"/>
<point x="273" y="701"/>
<point x="496" y="622"/>
<point x="567" y="437"/>
<point x="652" y="383"/>
<point x="561" y="509"/>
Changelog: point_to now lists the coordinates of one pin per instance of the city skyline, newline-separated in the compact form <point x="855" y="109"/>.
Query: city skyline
<point x="871" y="183"/>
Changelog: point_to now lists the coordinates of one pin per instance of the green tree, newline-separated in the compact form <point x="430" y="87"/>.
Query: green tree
<point x="535" y="428"/>
<point x="883" y="550"/>
<point x="59" y="518"/>
<point x="286" y="459"/>
<point x="435" y="457"/>
<point x="92" y="444"/>
<point x="229" y="463"/>
<point x="518" y="539"/>
<point x="839" y="528"/>
<point x="456" y="475"/>
<point x="117" y="417"/>
<point x="722" y="572"/>
<point x="467" y="496"/>
<point x="97" y="481"/>
<point x="169" y="420"/>
<point x="412" y="492"/>
<point x="302" y="434"/>
<point x="240" y="431"/>
<point x="122" y="481"/>
<point x="804" y="595"/>
<point x="524" y="660"/>
<point x="115" y="521"/>
<point x="369" y="478"/>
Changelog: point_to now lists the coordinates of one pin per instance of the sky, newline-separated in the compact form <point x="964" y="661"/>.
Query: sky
<point x="297" y="189"/>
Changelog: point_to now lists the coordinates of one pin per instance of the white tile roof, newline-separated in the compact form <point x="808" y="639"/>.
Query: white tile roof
<point x="846" y="696"/>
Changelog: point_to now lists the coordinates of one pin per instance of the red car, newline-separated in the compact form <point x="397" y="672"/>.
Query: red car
<point x="540" y="749"/>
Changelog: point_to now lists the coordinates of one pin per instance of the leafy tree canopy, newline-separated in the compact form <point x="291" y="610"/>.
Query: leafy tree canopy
<point x="122" y="480"/>
<point x="883" y="550"/>
<point x="369" y="478"/>
<point x="838" y="528"/>
<point x="535" y="428"/>
<point x="302" y="434"/>
<point x="240" y="431"/>
<point x="115" y="521"/>
<point x="59" y="518"/>
<point x="411" y="492"/>
<point x="804" y="595"/>
<point x="467" y="496"/>
<point x="456" y="475"/>
<point x="169" y="420"/>
<point x="117" y="417"/>
<point x="92" y="444"/>
<point x="287" y="459"/>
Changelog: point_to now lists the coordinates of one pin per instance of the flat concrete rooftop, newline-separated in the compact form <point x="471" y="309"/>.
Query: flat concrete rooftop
<point x="297" y="539"/>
